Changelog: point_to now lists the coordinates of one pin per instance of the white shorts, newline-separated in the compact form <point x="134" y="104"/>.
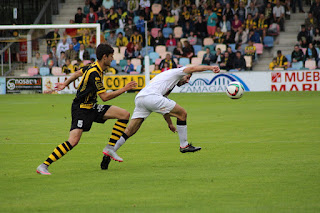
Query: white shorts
<point x="152" y="103"/>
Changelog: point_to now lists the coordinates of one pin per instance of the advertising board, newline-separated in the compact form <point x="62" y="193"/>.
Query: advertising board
<point x="23" y="85"/>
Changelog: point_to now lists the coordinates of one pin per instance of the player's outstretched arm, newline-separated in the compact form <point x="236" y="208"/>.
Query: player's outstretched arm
<point x="106" y="96"/>
<point x="61" y="85"/>
<point x="201" y="68"/>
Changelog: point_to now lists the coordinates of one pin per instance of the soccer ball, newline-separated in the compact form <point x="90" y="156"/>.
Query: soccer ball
<point x="235" y="90"/>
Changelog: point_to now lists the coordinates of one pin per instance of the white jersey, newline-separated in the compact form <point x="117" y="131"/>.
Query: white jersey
<point x="162" y="83"/>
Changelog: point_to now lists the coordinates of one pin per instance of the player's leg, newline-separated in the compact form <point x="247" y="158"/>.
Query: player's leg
<point x="60" y="151"/>
<point x="120" y="125"/>
<point x="132" y="128"/>
<point x="181" y="115"/>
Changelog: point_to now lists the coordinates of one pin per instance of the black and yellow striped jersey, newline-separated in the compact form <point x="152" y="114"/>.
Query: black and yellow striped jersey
<point x="90" y="85"/>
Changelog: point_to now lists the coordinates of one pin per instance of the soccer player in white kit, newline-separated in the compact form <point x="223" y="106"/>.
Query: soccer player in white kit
<point x="153" y="98"/>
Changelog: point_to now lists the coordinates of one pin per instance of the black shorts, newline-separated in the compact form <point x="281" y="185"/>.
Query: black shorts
<point x="83" y="118"/>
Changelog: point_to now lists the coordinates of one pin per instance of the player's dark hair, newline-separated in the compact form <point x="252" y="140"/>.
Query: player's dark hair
<point x="103" y="49"/>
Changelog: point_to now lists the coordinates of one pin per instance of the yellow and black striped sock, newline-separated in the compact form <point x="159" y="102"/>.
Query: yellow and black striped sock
<point x="117" y="131"/>
<point x="58" y="152"/>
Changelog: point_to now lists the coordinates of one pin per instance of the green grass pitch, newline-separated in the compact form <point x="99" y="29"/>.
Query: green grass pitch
<point x="260" y="153"/>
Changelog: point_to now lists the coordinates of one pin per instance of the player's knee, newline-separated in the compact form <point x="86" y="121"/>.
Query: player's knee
<point x="125" y="115"/>
<point x="183" y="115"/>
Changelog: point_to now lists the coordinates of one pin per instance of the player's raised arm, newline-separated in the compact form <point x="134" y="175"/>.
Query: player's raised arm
<point x="201" y="68"/>
<point x="106" y="96"/>
<point x="74" y="76"/>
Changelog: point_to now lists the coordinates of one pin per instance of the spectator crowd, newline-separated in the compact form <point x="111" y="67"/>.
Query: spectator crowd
<point x="222" y="32"/>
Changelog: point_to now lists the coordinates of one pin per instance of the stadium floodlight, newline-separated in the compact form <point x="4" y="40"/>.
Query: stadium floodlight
<point x="49" y="26"/>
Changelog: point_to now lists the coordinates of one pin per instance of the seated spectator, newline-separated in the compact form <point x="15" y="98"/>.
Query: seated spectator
<point x="316" y="37"/>
<point x="281" y="61"/>
<point x="136" y="37"/>
<point x="250" y="50"/>
<point x="160" y="39"/>
<point x="129" y="53"/>
<point x="208" y="57"/>
<point x="156" y="69"/>
<point x="112" y="39"/>
<point x="278" y="15"/>
<point x="158" y="20"/>
<point x="239" y="63"/>
<point x="129" y="67"/>
<point x="226" y="63"/>
<point x="229" y="38"/>
<point x="170" y="20"/>
<point x="187" y="28"/>
<point x="122" y="41"/>
<point x="92" y="17"/>
<point x="62" y="59"/>
<point x="311" y="53"/>
<point x="194" y="12"/>
<point x="71" y="53"/>
<point x="217" y="57"/>
<point x="165" y="67"/>
<point x="231" y="53"/>
<point x="241" y="37"/>
<point x="54" y="53"/>
<point x="304" y="37"/>
<point x="95" y="5"/>
<point x="262" y="26"/>
<point x="250" y="23"/>
<point x="38" y="62"/>
<point x="138" y="51"/>
<point x="311" y="23"/>
<point x="188" y="50"/>
<point x="171" y="41"/>
<point x="68" y="67"/>
<point x="254" y="36"/>
<point x="83" y="54"/>
<point x="178" y="51"/>
<point x="75" y="44"/>
<point x="51" y="61"/>
<point x="169" y="61"/>
<point x="225" y="24"/>
<point x="185" y="16"/>
<point x="218" y="36"/>
<point x="273" y="64"/>
<point x="297" y="54"/>
<point x="192" y="38"/>
<point x="200" y="28"/>
<point x="151" y="40"/>
<point x="78" y="65"/>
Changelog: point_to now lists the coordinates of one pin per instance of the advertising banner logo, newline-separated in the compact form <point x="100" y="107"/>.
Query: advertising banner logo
<point x="17" y="85"/>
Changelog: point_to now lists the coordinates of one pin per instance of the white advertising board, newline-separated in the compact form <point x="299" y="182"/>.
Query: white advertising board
<point x="253" y="81"/>
<point x="210" y="82"/>
<point x="48" y="84"/>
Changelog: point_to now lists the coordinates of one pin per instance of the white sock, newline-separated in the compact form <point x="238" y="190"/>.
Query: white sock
<point x="183" y="135"/>
<point x="119" y="143"/>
